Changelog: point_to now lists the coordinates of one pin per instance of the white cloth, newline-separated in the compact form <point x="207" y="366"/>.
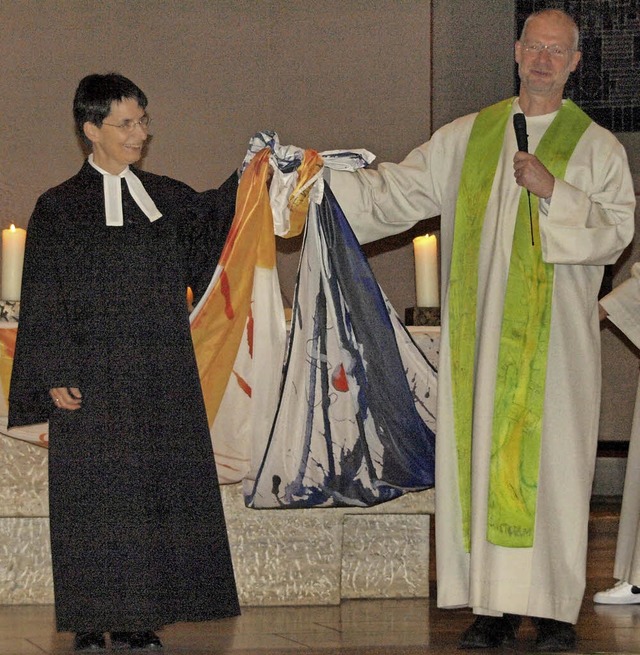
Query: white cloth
<point x="623" y="307"/>
<point x="113" y="195"/>
<point x="285" y="161"/>
<point x="587" y="223"/>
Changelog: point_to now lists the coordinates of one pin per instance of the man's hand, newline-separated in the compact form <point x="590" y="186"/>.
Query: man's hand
<point x="531" y="174"/>
<point x="66" y="397"/>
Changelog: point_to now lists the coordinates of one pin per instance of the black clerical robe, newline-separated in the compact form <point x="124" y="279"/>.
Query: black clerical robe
<point x="138" y="536"/>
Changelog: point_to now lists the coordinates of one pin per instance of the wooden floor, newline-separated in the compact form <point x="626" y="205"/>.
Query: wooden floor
<point x="371" y="627"/>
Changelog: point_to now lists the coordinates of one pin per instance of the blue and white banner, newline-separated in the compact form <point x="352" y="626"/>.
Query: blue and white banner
<point x="355" y="423"/>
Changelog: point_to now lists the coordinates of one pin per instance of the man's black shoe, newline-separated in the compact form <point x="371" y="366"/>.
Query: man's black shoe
<point x="555" y="636"/>
<point x="88" y="641"/>
<point x="490" y="632"/>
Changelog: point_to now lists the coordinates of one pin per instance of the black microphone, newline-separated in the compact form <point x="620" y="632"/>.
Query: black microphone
<point x="520" y="127"/>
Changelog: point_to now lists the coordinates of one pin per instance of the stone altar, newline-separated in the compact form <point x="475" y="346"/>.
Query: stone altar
<point x="281" y="557"/>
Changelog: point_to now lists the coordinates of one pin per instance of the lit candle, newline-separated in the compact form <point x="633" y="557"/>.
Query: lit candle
<point x="12" y="260"/>
<point x="425" y="252"/>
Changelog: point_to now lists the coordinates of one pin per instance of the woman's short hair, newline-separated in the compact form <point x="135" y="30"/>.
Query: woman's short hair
<point x="94" y="95"/>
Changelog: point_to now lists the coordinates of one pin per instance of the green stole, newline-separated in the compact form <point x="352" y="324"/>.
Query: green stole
<point x="522" y="361"/>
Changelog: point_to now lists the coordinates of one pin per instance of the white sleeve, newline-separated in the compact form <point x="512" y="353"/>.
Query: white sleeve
<point x="623" y="305"/>
<point x="393" y="198"/>
<point x="590" y="218"/>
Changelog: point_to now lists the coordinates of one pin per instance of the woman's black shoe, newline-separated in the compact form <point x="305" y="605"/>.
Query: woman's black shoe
<point x="146" y="640"/>
<point x="88" y="641"/>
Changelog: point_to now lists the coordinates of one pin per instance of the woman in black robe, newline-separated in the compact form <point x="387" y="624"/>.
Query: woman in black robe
<point x="104" y="353"/>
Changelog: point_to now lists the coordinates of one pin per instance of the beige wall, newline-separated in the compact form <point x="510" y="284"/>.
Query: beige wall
<point x="324" y="74"/>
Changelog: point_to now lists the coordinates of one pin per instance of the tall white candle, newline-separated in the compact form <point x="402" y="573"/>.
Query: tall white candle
<point x="425" y="252"/>
<point x="13" y="240"/>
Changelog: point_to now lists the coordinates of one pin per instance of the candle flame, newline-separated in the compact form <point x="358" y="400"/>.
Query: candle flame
<point x="13" y="227"/>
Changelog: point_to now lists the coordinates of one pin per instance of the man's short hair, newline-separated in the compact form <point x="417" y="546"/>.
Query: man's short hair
<point x="94" y="95"/>
<point x="563" y="15"/>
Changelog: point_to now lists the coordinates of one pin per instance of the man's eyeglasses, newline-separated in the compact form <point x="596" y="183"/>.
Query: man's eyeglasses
<point x="129" y="125"/>
<point x="553" y="50"/>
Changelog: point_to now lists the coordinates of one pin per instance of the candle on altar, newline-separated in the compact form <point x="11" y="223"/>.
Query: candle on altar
<point x="13" y="240"/>
<point x="425" y="252"/>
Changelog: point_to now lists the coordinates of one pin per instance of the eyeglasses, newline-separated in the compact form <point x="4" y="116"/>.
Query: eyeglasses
<point x="553" y="50"/>
<point x="129" y="125"/>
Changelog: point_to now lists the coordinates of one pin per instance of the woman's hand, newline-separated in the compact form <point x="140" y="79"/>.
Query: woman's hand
<point x="66" y="397"/>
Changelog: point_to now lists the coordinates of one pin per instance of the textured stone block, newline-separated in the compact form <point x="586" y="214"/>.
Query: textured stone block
<point x="23" y="483"/>
<point x="286" y="560"/>
<point x="385" y="556"/>
<point x="283" y="557"/>
<point x="318" y="556"/>
<point x="25" y="562"/>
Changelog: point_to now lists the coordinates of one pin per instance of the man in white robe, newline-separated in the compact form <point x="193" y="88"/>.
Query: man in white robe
<point x="585" y="221"/>
<point x="622" y="307"/>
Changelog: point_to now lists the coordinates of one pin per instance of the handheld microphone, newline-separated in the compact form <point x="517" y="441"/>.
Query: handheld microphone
<point x="520" y="127"/>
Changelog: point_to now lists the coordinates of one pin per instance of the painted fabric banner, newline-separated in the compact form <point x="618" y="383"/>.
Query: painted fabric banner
<point x="356" y="418"/>
<point x="238" y="330"/>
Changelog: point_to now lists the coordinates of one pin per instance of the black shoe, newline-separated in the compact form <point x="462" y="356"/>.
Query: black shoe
<point x="490" y="631"/>
<point x="555" y="636"/>
<point x="88" y="641"/>
<point x="147" y="640"/>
